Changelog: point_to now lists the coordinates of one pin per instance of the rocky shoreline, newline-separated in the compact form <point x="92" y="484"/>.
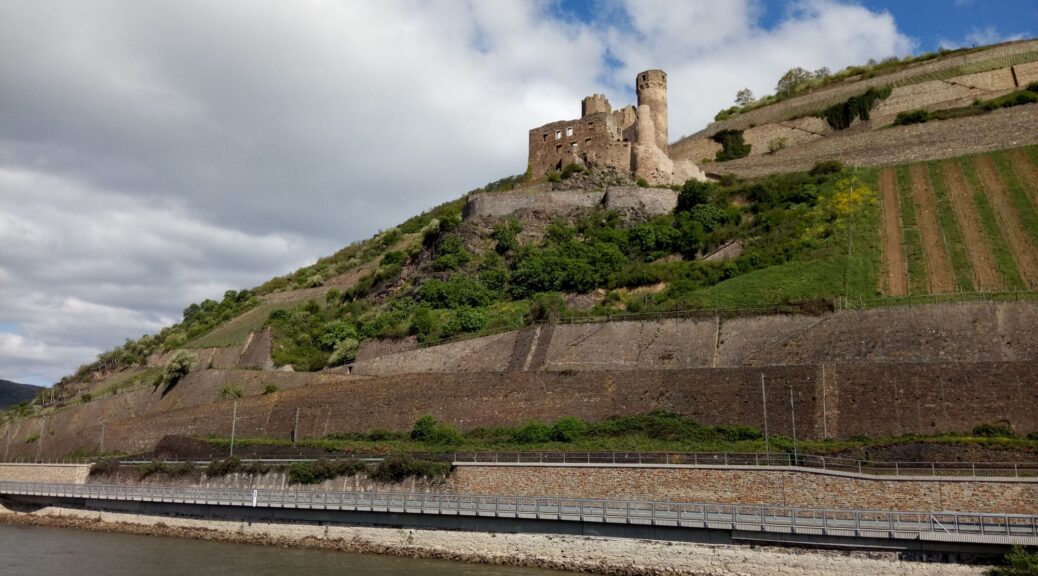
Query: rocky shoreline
<point x="592" y="555"/>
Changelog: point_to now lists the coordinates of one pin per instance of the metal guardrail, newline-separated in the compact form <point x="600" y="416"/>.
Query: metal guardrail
<point x="1001" y="528"/>
<point x="811" y="462"/>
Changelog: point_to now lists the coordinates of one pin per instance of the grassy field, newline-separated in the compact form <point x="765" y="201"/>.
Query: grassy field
<point x="913" y="245"/>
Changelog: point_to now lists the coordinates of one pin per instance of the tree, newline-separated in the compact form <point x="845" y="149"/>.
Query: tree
<point x="744" y="97"/>
<point x="822" y="73"/>
<point x="793" y="81"/>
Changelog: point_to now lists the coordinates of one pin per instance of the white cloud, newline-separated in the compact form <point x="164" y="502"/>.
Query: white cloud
<point x="154" y="154"/>
<point x="980" y="37"/>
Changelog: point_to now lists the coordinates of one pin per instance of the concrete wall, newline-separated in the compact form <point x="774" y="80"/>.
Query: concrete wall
<point x="754" y="487"/>
<point x="45" y="473"/>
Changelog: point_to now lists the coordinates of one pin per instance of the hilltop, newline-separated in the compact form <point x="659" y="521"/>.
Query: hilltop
<point x="905" y="183"/>
<point x="12" y="393"/>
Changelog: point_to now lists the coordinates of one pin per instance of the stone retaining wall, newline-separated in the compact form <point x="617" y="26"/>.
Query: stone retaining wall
<point x="45" y="473"/>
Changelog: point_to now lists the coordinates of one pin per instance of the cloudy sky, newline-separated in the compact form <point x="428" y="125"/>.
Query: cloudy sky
<point x="154" y="154"/>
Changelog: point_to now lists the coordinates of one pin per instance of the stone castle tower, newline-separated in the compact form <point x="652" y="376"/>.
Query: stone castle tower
<point x="652" y="92"/>
<point x="630" y="139"/>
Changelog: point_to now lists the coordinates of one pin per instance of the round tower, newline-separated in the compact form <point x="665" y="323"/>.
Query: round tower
<point x="652" y="90"/>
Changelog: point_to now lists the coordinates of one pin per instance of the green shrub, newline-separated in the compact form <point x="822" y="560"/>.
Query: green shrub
<point x="530" y="433"/>
<point x="1019" y="561"/>
<point x="505" y="233"/>
<point x="345" y="351"/>
<point x="571" y="169"/>
<point x="397" y="469"/>
<point x="86" y="397"/>
<point x="1000" y="430"/>
<point x="840" y="116"/>
<point x="643" y="183"/>
<point x="221" y="468"/>
<point x="104" y="468"/>
<point x="449" y="220"/>
<point x="568" y="429"/>
<point x="444" y="435"/>
<point x="158" y="467"/>
<point x="270" y="389"/>
<point x="732" y="145"/>
<point x="554" y="176"/>
<point x="177" y="368"/>
<point x="423" y="427"/>
<point x="230" y="391"/>
<point x="826" y="167"/>
<point x="1018" y="98"/>
<point x="321" y="470"/>
<point x="911" y="117"/>
<point x="692" y="194"/>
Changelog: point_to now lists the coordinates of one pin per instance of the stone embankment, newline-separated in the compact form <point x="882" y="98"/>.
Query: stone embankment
<point x="627" y="557"/>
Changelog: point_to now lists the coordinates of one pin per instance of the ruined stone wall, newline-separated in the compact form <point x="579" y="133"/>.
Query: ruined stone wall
<point x="751" y="487"/>
<point x="648" y="202"/>
<point x="555" y="145"/>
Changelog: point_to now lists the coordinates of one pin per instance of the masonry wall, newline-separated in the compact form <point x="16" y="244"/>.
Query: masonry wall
<point x="591" y="136"/>
<point x="46" y="473"/>
<point x="752" y="487"/>
<point x="837" y="401"/>
<point x="648" y="202"/>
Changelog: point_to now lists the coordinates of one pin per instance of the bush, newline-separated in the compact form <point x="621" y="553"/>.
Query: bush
<point x="320" y="470"/>
<point x="1009" y="100"/>
<point x="999" y="430"/>
<point x="571" y="169"/>
<point x="397" y="469"/>
<point x="776" y="144"/>
<point x="826" y="167"/>
<point x="228" y="391"/>
<point x="530" y="433"/>
<point x="692" y="194"/>
<point x="840" y="116"/>
<point x="444" y="435"/>
<point x="220" y="468"/>
<point x="158" y="467"/>
<point x="554" y="176"/>
<point x="87" y="397"/>
<point x="270" y="389"/>
<point x="505" y="233"/>
<point x="568" y="429"/>
<point x="345" y="351"/>
<point x="423" y="427"/>
<point x="911" y="117"/>
<point x="1019" y="561"/>
<point x="104" y="468"/>
<point x="177" y="368"/>
<point x="732" y="145"/>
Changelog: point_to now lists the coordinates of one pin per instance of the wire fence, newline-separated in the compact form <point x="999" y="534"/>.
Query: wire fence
<point x="978" y="527"/>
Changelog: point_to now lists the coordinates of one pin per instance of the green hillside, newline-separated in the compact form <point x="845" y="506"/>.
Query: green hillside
<point x="12" y="393"/>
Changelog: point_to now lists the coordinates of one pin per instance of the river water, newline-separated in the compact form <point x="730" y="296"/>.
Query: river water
<point x="44" y="551"/>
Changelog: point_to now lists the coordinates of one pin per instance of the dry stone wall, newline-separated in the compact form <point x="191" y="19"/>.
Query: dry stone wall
<point x="646" y="201"/>
<point x="752" y="487"/>
<point x="45" y="473"/>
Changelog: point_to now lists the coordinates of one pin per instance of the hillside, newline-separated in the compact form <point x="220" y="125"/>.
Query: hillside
<point x="12" y="393"/>
<point x="476" y="297"/>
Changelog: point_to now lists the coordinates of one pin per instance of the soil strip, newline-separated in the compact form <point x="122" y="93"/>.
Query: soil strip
<point x="1025" y="254"/>
<point x="938" y="266"/>
<point x="982" y="260"/>
<point x="895" y="274"/>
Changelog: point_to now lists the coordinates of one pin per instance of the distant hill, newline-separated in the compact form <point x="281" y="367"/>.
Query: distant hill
<point x="12" y="393"/>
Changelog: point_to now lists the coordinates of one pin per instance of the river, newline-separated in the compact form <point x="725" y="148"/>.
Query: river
<point x="44" y="551"/>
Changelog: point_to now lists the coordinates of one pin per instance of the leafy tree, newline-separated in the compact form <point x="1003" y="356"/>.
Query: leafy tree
<point x="693" y="193"/>
<point x="423" y="427"/>
<point x="1019" y="561"/>
<point x="744" y="97"/>
<point x="793" y="81"/>
<point x="822" y="73"/>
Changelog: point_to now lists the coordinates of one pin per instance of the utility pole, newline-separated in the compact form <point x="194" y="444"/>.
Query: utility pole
<point x="234" y="421"/>
<point x="39" y="442"/>
<point x="793" y="412"/>
<point x="101" y="450"/>
<point x="764" y="403"/>
<point x="295" y="429"/>
<point x="7" y="448"/>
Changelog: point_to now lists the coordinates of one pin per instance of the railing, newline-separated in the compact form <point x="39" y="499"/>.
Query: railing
<point x="775" y="459"/>
<point x="837" y="522"/>
<point x="815" y="463"/>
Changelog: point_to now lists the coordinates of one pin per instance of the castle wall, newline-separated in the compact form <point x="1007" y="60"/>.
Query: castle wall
<point x="555" y="145"/>
<point x="647" y="201"/>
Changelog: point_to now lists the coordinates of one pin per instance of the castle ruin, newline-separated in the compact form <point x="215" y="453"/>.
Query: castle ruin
<point x="631" y="139"/>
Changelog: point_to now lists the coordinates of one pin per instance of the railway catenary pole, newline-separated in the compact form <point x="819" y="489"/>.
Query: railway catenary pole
<point x="793" y="413"/>
<point x="764" y="403"/>
<point x="234" y="422"/>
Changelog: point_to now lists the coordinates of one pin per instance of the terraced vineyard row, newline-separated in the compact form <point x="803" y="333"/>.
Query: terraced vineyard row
<point x="961" y="225"/>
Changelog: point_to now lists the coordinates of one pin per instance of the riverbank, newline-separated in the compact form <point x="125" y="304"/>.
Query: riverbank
<point x="572" y="553"/>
